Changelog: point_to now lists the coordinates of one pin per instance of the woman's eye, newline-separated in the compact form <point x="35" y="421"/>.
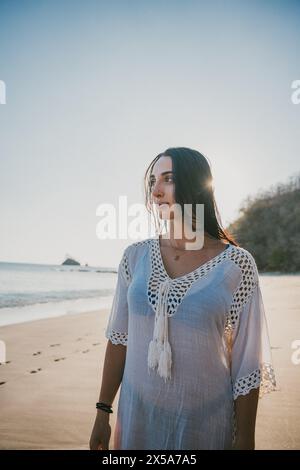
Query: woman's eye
<point x="168" y="179"/>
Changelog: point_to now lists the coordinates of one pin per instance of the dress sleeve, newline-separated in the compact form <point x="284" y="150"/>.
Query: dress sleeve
<point x="117" y="326"/>
<point x="250" y="350"/>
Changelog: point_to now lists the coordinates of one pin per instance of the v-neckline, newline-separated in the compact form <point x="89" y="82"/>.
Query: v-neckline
<point x="156" y="239"/>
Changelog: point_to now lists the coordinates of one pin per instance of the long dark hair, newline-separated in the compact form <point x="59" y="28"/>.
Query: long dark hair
<point x="193" y="185"/>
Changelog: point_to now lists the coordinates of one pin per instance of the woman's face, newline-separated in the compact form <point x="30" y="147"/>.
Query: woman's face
<point x="163" y="186"/>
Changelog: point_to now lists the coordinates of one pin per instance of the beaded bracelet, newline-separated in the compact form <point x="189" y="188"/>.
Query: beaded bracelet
<point x="103" y="406"/>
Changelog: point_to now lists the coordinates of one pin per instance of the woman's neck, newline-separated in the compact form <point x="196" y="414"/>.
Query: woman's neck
<point x="183" y="240"/>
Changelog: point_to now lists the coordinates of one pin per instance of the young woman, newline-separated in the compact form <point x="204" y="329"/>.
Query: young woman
<point x="187" y="334"/>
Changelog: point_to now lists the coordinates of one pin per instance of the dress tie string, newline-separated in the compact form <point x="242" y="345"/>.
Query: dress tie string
<point x="159" y="352"/>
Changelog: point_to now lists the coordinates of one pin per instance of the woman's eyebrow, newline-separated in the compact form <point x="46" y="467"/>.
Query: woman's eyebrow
<point x="163" y="173"/>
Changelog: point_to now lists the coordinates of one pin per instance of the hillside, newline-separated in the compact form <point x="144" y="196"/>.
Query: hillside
<point x="269" y="227"/>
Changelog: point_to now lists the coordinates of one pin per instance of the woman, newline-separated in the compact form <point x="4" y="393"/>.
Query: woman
<point x="188" y="339"/>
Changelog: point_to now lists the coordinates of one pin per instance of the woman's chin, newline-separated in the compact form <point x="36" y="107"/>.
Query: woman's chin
<point x="164" y="212"/>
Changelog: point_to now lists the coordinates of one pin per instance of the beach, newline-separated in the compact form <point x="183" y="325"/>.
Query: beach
<point x="51" y="379"/>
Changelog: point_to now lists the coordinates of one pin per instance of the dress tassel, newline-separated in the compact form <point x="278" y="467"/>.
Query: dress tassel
<point x="153" y="354"/>
<point x="160" y="329"/>
<point x="159" y="351"/>
<point x="165" y="362"/>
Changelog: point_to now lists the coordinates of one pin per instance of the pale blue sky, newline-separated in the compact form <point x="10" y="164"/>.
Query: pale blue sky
<point x="95" y="90"/>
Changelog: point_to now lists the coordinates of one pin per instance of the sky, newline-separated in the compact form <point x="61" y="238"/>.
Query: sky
<point x="95" y="90"/>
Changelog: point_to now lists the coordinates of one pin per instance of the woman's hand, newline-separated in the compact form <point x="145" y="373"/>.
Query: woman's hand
<point x="101" y="432"/>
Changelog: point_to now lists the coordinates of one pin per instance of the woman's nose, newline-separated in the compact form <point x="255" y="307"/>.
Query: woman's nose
<point x="156" y="189"/>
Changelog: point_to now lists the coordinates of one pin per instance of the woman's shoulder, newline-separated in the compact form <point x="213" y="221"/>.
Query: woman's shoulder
<point x="243" y="253"/>
<point x="138" y="246"/>
<point x="134" y="251"/>
<point x="245" y="261"/>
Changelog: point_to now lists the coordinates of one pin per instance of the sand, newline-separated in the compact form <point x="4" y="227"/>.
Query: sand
<point x="54" y="367"/>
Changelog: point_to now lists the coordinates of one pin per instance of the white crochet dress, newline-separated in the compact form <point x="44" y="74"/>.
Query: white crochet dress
<point x="216" y="328"/>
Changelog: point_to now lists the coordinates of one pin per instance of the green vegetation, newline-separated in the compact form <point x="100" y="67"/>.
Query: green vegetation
<point x="269" y="227"/>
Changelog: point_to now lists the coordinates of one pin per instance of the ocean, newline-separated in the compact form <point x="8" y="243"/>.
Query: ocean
<point x="34" y="291"/>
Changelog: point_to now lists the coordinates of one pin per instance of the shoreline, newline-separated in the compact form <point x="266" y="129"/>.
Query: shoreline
<point x="43" y="311"/>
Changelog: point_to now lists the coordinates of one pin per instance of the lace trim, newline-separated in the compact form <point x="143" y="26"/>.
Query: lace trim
<point x="247" y="285"/>
<point x="264" y="378"/>
<point x="117" y="338"/>
<point x="179" y="286"/>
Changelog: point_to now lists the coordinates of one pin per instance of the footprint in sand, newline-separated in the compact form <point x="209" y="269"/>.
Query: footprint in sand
<point x="53" y="345"/>
<point x="2" y="383"/>
<point x="37" y="353"/>
<point x="96" y="344"/>
<point x="79" y="339"/>
<point x="35" y="371"/>
<point x="85" y="351"/>
<point x="59" y="359"/>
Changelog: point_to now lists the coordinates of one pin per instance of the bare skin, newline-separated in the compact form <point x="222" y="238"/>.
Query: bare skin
<point x="189" y="260"/>
<point x="112" y="374"/>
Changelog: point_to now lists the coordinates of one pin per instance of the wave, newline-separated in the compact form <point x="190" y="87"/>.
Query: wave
<point x="11" y="300"/>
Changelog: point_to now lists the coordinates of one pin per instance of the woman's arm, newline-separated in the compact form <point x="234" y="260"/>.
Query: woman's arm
<point x="113" y="369"/>
<point x="245" y="413"/>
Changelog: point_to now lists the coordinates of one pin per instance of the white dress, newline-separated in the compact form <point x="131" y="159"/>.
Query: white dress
<point x="220" y="348"/>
